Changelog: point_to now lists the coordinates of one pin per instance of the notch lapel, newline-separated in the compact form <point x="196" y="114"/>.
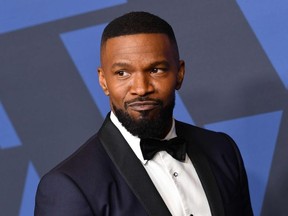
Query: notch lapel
<point x="131" y="169"/>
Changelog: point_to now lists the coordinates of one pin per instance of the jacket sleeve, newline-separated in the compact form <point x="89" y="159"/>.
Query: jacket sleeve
<point x="244" y="188"/>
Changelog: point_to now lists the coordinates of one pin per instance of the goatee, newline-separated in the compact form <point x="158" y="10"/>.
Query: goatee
<point x="145" y="127"/>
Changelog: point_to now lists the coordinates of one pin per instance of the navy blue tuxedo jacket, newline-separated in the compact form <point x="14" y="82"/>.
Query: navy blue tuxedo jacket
<point x="105" y="178"/>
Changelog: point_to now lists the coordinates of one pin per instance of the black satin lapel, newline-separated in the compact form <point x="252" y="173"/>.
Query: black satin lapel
<point x="208" y="181"/>
<point x="203" y="169"/>
<point x="132" y="169"/>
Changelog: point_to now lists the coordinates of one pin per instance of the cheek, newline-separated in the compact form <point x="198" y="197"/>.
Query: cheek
<point x="117" y="97"/>
<point x="116" y="90"/>
<point x="168" y="96"/>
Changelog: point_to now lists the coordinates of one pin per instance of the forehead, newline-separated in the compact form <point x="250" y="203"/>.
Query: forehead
<point x="138" y="44"/>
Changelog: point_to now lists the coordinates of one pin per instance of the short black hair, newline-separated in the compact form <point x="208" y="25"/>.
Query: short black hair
<point x="137" y="23"/>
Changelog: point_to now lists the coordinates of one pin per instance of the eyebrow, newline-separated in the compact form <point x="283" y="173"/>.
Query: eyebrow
<point x="120" y="64"/>
<point x="151" y="65"/>
<point x="164" y="62"/>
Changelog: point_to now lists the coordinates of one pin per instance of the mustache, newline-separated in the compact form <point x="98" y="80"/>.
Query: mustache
<point x="141" y="99"/>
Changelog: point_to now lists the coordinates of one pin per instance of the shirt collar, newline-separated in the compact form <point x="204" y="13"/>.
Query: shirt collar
<point x="134" y="141"/>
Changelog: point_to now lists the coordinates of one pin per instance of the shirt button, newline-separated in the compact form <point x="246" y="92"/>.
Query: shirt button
<point x="175" y="174"/>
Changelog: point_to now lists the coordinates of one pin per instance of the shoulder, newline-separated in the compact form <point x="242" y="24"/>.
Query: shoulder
<point x="80" y="168"/>
<point x="218" y="148"/>
<point x="58" y="195"/>
<point x="58" y="192"/>
<point x="87" y="154"/>
<point x="202" y="135"/>
<point x="213" y="144"/>
<point x="75" y="181"/>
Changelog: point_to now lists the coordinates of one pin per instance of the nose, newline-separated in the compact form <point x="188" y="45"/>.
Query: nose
<point x="141" y="84"/>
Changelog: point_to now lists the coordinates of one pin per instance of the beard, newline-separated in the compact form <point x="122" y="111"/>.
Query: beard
<point x="146" y="127"/>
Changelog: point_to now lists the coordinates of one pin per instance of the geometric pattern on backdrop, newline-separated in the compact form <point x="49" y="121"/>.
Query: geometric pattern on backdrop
<point x="269" y="22"/>
<point x="22" y="14"/>
<point x="251" y="134"/>
<point x="28" y="197"/>
<point x="8" y="135"/>
<point x="83" y="47"/>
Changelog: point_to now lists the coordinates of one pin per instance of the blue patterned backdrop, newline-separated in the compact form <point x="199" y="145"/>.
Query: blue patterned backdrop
<point x="50" y="102"/>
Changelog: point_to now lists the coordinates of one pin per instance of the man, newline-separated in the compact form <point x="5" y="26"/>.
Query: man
<point x="118" y="171"/>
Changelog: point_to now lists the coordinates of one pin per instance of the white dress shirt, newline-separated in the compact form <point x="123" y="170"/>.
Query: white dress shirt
<point x="177" y="182"/>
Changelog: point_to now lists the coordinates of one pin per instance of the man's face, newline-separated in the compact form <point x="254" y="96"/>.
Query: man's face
<point x="140" y="74"/>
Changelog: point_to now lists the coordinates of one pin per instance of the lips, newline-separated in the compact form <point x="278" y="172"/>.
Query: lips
<point x="143" y="105"/>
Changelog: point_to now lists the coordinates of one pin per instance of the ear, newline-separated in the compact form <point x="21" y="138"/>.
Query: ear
<point x="102" y="81"/>
<point x="180" y="74"/>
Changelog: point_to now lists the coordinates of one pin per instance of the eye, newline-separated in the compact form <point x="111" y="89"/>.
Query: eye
<point x="154" y="70"/>
<point x="158" y="70"/>
<point x="122" y="73"/>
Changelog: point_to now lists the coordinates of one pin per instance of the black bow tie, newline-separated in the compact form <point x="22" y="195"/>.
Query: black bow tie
<point x="176" y="147"/>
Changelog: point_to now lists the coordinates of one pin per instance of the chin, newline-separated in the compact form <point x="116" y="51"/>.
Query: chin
<point x="148" y="115"/>
<point x="148" y="123"/>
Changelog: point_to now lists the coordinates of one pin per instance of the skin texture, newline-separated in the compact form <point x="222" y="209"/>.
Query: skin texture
<point x="140" y="74"/>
